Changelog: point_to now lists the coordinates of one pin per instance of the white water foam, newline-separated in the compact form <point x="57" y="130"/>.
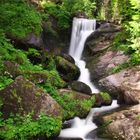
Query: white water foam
<point x="81" y="127"/>
<point x="82" y="28"/>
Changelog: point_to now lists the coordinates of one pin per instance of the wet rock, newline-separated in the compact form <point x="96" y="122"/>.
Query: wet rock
<point x="68" y="124"/>
<point x="24" y="97"/>
<point x="123" y="124"/>
<point x="92" y="134"/>
<point x="67" y="70"/>
<point x="80" y="87"/>
<point x="124" y="85"/>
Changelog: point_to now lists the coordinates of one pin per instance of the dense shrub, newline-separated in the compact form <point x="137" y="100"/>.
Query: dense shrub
<point x="18" y="19"/>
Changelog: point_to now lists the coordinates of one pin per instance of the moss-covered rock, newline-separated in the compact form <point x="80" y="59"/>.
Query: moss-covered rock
<point x="102" y="98"/>
<point x="23" y="97"/>
<point x="67" y="70"/>
<point x="75" y="103"/>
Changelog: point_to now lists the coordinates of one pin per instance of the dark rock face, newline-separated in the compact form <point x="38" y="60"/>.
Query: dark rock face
<point x="67" y="70"/>
<point x="24" y="97"/>
<point x="80" y="87"/>
<point x="31" y="40"/>
<point x="123" y="124"/>
<point x="68" y="57"/>
<point x="124" y="85"/>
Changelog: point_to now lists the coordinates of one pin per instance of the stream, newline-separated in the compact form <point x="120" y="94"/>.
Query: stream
<point x="80" y="128"/>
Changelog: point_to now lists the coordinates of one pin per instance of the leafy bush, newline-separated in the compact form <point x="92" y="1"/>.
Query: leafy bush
<point x="64" y="12"/>
<point x="129" y="40"/>
<point x="23" y="128"/>
<point x="74" y="6"/>
<point x="18" y="19"/>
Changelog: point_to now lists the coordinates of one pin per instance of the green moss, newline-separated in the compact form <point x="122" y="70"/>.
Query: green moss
<point x="105" y="96"/>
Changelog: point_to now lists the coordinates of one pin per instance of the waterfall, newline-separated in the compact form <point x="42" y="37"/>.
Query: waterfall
<point x="81" y="29"/>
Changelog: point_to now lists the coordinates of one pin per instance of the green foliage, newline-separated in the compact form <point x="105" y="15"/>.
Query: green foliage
<point x="54" y="79"/>
<point x="134" y="28"/>
<point x="64" y="12"/>
<point x="34" y="52"/>
<point x="23" y="128"/>
<point x="121" y="67"/>
<point x="75" y="6"/>
<point x="22" y="18"/>
<point x="4" y="81"/>
<point x="87" y="104"/>
<point x="129" y="39"/>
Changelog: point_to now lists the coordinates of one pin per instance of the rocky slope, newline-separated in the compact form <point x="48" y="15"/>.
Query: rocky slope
<point x="102" y="60"/>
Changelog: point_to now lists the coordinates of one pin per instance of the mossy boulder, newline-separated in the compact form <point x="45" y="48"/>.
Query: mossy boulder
<point x="66" y="69"/>
<point x="80" y="87"/>
<point x="23" y="97"/>
<point x="76" y="103"/>
<point x="68" y="57"/>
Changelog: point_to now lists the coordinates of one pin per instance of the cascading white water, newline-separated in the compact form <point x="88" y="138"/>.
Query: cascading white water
<point x="82" y="28"/>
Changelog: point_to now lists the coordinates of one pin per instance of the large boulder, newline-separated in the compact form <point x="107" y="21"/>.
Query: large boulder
<point x="124" y="85"/>
<point x="80" y="87"/>
<point x="122" y="125"/>
<point x="101" y="65"/>
<point x="66" y="69"/>
<point x="23" y="97"/>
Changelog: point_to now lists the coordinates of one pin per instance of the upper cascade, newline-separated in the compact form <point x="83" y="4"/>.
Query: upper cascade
<point x="82" y="28"/>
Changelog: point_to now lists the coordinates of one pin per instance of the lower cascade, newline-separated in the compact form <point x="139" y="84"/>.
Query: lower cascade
<point x="82" y="29"/>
